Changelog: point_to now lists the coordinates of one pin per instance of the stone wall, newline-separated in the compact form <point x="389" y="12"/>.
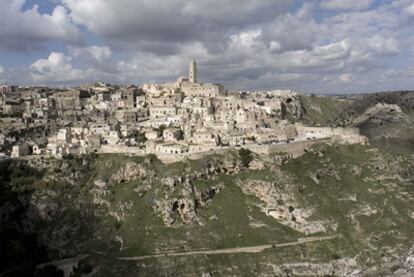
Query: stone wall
<point x="295" y="149"/>
<point x="119" y="149"/>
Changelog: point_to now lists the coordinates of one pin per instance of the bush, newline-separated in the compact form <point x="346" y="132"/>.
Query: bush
<point x="161" y="129"/>
<point x="138" y="136"/>
<point x="69" y="157"/>
<point x="336" y="256"/>
<point x="117" y="225"/>
<point x="245" y="156"/>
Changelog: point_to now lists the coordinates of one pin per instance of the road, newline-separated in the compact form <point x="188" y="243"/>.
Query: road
<point x="249" y="249"/>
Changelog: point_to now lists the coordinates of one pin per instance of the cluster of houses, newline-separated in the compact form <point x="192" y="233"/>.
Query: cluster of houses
<point x="185" y="116"/>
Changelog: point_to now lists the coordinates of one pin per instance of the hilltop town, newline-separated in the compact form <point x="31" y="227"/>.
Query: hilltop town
<point x="192" y="177"/>
<point x="207" y="138"/>
<point x="172" y="120"/>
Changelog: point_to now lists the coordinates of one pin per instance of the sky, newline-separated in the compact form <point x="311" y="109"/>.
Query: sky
<point x="314" y="46"/>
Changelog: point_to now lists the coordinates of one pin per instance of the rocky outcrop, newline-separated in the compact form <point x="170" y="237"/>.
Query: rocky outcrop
<point x="340" y="267"/>
<point x="186" y="203"/>
<point x="279" y="201"/>
<point x="406" y="268"/>
<point x="204" y="197"/>
<point x="257" y="164"/>
<point x="379" y="113"/>
<point x="129" y="172"/>
<point x="292" y="108"/>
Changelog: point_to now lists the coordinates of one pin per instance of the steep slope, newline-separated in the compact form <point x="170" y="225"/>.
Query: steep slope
<point x="20" y="250"/>
<point x="403" y="99"/>
<point x="387" y="119"/>
<point x="112" y="206"/>
<point x="321" y="110"/>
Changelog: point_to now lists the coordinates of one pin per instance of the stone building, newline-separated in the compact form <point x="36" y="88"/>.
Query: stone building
<point x="191" y="86"/>
<point x="204" y="137"/>
<point x="171" y="134"/>
<point x="20" y="150"/>
<point x="195" y="117"/>
<point x="193" y="72"/>
<point x="158" y="111"/>
<point x="172" y="148"/>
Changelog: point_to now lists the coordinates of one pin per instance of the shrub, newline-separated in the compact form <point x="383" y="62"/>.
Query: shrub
<point x="245" y="156"/>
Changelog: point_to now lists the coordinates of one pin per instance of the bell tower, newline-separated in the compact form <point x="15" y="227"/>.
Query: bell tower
<point x="193" y="72"/>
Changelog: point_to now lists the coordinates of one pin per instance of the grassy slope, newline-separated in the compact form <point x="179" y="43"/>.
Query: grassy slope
<point x="319" y="110"/>
<point x="378" y="230"/>
<point x="372" y="234"/>
<point x="143" y="232"/>
<point x="390" y="227"/>
<point x="405" y="100"/>
<point x="395" y="136"/>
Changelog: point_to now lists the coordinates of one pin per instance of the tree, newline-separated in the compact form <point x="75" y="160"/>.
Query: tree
<point x="245" y="156"/>
<point x="161" y="129"/>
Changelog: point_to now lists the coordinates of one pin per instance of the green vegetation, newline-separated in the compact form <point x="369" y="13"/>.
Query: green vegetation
<point x="139" y="136"/>
<point x="144" y="231"/>
<point x="245" y="156"/>
<point x="113" y="205"/>
<point x="161" y="129"/>
<point x="20" y="251"/>
<point x="320" y="110"/>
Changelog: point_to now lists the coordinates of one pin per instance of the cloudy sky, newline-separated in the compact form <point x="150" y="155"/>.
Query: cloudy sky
<point x="315" y="46"/>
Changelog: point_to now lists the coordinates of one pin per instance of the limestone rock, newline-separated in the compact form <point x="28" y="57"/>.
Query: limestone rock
<point x="129" y="172"/>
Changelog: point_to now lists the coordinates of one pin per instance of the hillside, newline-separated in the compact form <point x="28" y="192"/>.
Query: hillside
<point x="320" y="110"/>
<point x="355" y="193"/>
<point x="337" y="210"/>
<point x="387" y="119"/>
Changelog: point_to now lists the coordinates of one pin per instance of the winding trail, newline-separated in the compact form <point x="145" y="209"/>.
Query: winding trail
<point x="248" y="249"/>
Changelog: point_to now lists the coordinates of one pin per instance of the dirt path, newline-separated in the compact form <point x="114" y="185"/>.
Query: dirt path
<point x="249" y="249"/>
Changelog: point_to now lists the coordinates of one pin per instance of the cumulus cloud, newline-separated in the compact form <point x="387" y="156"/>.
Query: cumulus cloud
<point x="344" y="5"/>
<point x="384" y="46"/>
<point x="25" y="30"/>
<point x="291" y="51"/>
<point x="142" y="68"/>
<point x="92" y="54"/>
<point x="321" y="45"/>
<point x="290" y="33"/>
<point x="410" y="9"/>
<point x="345" y="77"/>
<point x="98" y="63"/>
<point x="333" y="51"/>
<point x="97" y="53"/>
<point x="372" y="34"/>
<point x="161" y="26"/>
<point x="56" y="69"/>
